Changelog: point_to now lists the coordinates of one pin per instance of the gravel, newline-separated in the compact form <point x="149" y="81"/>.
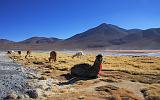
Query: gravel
<point x="19" y="82"/>
<point x="12" y="77"/>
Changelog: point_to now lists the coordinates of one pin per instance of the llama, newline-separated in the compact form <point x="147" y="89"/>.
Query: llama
<point x="9" y="52"/>
<point x="53" y="56"/>
<point x="13" y="54"/>
<point x="87" y="70"/>
<point x="19" y="52"/>
<point x="78" y="54"/>
<point x="28" y="54"/>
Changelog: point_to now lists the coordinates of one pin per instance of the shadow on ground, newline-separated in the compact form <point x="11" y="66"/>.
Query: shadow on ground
<point x="71" y="79"/>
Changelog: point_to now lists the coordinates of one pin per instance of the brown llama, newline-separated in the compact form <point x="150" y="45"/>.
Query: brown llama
<point x="87" y="70"/>
<point x="9" y="52"/>
<point x="28" y="54"/>
<point x="53" y="56"/>
<point x="19" y="52"/>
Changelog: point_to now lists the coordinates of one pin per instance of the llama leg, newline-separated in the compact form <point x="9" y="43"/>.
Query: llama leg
<point x="73" y="56"/>
<point x="26" y="56"/>
<point x="55" y="59"/>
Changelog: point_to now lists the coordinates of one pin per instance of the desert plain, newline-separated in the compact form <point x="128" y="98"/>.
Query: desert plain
<point x="121" y="78"/>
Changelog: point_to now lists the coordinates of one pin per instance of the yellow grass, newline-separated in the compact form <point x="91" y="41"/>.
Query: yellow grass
<point x="129" y="64"/>
<point x="133" y="65"/>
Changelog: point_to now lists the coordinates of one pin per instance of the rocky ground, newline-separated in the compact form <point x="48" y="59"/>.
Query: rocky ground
<point x="19" y="83"/>
<point x="12" y="78"/>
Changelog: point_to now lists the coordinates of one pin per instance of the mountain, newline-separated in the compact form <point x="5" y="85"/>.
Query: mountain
<point x="107" y="36"/>
<point x="33" y="43"/>
<point x="140" y="39"/>
<point x="5" y="44"/>
<point x="5" y="41"/>
<point x="37" y="43"/>
<point x="103" y="31"/>
<point x="97" y="37"/>
<point x="104" y="36"/>
<point x="40" y="40"/>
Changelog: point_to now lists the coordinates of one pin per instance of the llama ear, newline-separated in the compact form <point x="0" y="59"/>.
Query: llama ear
<point x="99" y="56"/>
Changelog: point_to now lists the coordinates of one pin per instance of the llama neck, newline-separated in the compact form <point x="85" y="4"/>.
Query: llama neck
<point x="97" y="63"/>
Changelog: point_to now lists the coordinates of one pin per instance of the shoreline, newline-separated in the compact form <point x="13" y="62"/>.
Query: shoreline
<point x="133" y="51"/>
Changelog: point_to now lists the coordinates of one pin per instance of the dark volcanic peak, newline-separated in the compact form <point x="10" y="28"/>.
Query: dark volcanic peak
<point x="109" y="26"/>
<point x="103" y="32"/>
<point x="103" y="25"/>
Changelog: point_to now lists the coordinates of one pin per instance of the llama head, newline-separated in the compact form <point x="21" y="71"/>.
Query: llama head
<point x="98" y="60"/>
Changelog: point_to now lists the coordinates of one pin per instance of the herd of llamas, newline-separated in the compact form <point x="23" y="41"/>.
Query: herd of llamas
<point x="53" y="54"/>
<point x="82" y="70"/>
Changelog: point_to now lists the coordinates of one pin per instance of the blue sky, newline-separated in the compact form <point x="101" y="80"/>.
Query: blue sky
<point x="21" y="19"/>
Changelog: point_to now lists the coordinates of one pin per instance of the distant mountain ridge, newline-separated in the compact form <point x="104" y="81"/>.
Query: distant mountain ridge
<point x="40" y="40"/>
<point x="5" y="41"/>
<point x="104" y="36"/>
